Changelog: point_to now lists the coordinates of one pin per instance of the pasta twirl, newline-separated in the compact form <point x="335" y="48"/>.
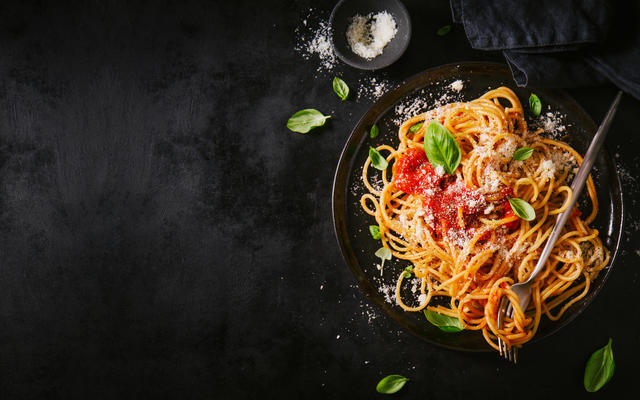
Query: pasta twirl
<point x="458" y="230"/>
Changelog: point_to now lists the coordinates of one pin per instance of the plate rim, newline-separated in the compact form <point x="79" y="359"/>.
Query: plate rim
<point x="353" y="139"/>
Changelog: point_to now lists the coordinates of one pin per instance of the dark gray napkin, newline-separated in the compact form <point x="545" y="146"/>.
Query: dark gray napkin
<point x="554" y="43"/>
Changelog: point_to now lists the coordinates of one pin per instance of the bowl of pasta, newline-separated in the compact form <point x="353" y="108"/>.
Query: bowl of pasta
<point x="446" y="192"/>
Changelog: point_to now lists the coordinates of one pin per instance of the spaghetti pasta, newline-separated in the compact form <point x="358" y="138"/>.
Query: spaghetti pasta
<point x="465" y="242"/>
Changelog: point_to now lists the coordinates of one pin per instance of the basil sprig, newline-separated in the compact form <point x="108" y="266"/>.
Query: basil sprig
<point x="522" y="153"/>
<point x="383" y="253"/>
<point x="522" y="209"/>
<point x="599" y="368"/>
<point x="377" y="160"/>
<point x="305" y="120"/>
<point x="375" y="231"/>
<point x="444" y="322"/>
<point x="374" y="131"/>
<point x="391" y="384"/>
<point x="415" y="128"/>
<point x="441" y="147"/>
<point x="341" y="88"/>
<point x="444" y="30"/>
<point x="535" y="105"/>
<point x="407" y="272"/>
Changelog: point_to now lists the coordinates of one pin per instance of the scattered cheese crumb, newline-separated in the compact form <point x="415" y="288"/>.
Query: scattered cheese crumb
<point x="552" y="124"/>
<point x="489" y="208"/>
<point x="372" y="88"/>
<point x="457" y="85"/>
<point x="547" y="169"/>
<point x="315" y="40"/>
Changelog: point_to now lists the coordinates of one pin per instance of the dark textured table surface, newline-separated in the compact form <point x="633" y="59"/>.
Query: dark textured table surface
<point x="162" y="234"/>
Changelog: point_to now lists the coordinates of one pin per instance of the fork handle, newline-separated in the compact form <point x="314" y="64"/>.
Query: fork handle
<point x="577" y="186"/>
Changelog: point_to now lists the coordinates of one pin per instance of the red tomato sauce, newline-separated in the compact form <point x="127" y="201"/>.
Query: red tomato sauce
<point x="448" y="204"/>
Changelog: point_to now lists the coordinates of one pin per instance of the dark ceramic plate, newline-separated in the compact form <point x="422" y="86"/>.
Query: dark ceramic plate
<point x="341" y="18"/>
<point x="351" y="223"/>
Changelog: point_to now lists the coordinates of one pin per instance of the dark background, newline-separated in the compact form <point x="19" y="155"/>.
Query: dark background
<point x="162" y="234"/>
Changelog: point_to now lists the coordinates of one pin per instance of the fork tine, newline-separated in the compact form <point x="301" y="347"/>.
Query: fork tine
<point x="512" y="352"/>
<point x="501" y="312"/>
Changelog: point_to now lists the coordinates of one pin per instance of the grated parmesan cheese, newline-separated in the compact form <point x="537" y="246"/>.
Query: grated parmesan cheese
<point x="489" y="208"/>
<point x="547" y="169"/>
<point x="457" y="85"/>
<point x="368" y="35"/>
<point x="491" y="180"/>
<point x="315" y="40"/>
<point x="552" y="124"/>
<point x="372" y="88"/>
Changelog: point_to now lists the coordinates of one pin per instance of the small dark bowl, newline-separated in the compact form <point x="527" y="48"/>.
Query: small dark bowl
<point x="341" y="18"/>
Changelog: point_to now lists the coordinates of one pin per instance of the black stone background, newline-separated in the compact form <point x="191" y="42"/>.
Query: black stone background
<point x="163" y="235"/>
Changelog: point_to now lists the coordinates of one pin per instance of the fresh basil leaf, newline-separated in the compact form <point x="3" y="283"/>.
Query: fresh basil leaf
<point x="522" y="153"/>
<point x="373" y="133"/>
<point x="377" y="160"/>
<point x="441" y="147"/>
<point x="375" y="231"/>
<point x="444" y="30"/>
<point x="409" y="268"/>
<point x="415" y="128"/>
<point x="534" y="104"/>
<point x="444" y="322"/>
<point x="305" y="120"/>
<point x="341" y="88"/>
<point x="522" y="209"/>
<point x="383" y="253"/>
<point x="391" y="384"/>
<point x="599" y="369"/>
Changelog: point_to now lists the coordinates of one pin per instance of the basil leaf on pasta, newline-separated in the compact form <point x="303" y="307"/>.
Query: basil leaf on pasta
<point x="522" y="209"/>
<point x="391" y="384"/>
<point x="441" y="147"/>
<point x="599" y="369"/>
<point x="415" y="128"/>
<point x="377" y="160"/>
<point x="535" y="105"/>
<point x="522" y="153"/>
<point x="375" y="231"/>
<point x="341" y="88"/>
<point x="444" y="322"/>
<point x="444" y="30"/>
<point x="373" y="133"/>
<point x="305" y="120"/>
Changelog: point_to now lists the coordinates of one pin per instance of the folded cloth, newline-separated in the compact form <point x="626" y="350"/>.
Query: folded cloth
<point x="555" y="70"/>
<point x="558" y="43"/>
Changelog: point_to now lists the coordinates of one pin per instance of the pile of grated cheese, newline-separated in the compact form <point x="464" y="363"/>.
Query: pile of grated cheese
<point x="368" y="35"/>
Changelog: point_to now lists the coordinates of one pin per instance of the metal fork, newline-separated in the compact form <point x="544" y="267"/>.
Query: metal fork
<point x="523" y="289"/>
